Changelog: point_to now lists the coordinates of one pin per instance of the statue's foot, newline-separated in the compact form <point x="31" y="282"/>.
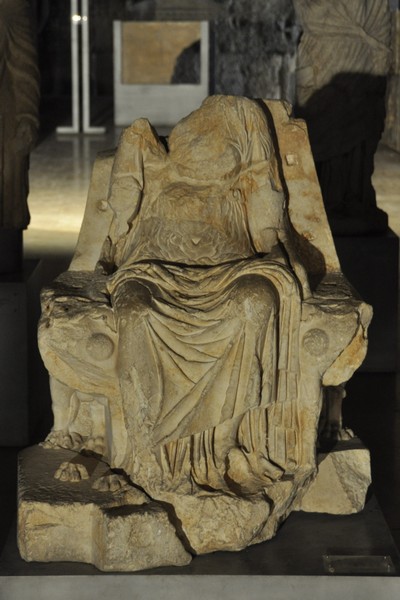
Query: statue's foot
<point x="110" y="482"/>
<point x="95" y="445"/>
<point x="124" y="490"/>
<point x="63" y="439"/>
<point x="252" y="472"/>
<point x="70" y="471"/>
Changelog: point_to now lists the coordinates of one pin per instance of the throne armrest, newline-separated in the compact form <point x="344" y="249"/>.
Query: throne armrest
<point x="313" y="239"/>
<point x="345" y="318"/>
<point x="98" y="216"/>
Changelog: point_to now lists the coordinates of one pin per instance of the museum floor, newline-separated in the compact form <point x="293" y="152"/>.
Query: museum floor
<point x="59" y="177"/>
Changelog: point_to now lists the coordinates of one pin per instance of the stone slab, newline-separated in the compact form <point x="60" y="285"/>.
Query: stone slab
<point x="289" y="567"/>
<point x="297" y="550"/>
<point x="341" y="484"/>
<point x="144" y="62"/>
<point x="121" y="529"/>
<point x="161" y="104"/>
<point x="77" y="522"/>
<point x="371" y="264"/>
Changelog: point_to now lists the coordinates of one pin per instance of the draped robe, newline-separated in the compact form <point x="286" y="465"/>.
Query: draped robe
<point x="207" y="307"/>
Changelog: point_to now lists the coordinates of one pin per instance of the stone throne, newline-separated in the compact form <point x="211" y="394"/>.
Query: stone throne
<point x="197" y="347"/>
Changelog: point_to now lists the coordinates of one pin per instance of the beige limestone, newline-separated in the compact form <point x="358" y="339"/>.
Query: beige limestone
<point x="342" y="480"/>
<point x="117" y="531"/>
<point x="201" y="330"/>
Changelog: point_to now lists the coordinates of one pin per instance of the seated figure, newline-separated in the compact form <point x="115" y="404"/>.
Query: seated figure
<point x="202" y="317"/>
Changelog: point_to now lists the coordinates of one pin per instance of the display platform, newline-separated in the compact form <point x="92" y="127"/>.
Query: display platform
<point x="313" y="556"/>
<point x="371" y="264"/>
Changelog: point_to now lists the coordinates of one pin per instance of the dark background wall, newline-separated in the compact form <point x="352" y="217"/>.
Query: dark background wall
<point x="253" y="47"/>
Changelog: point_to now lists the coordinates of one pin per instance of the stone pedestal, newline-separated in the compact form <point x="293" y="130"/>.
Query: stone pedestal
<point x="19" y="311"/>
<point x="92" y="520"/>
<point x="342" y="481"/>
<point x="119" y="530"/>
<point x="371" y="263"/>
<point x="163" y="103"/>
<point x="289" y="567"/>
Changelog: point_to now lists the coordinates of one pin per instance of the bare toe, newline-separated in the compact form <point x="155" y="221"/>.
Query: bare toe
<point x="110" y="482"/>
<point x="72" y="472"/>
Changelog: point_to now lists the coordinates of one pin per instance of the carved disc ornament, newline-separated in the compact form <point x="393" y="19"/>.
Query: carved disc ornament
<point x="316" y="342"/>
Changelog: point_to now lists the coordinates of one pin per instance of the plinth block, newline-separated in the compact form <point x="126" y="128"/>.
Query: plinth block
<point x="288" y="567"/>
<point x="76" y="521"/>
<point x="98" y="517"/>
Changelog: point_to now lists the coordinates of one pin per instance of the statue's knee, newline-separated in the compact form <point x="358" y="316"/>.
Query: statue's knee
<point x="254" y="297"/>
<point x="133" y="301"/>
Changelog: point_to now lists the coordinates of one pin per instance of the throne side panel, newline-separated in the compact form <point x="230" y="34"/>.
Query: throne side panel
<point x="97" y="217"/>
<point x="305" y="205"/>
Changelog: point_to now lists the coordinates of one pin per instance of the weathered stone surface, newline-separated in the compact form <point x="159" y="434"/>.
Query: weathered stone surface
<point x="120" y="530"/>
<point x="212" y="522"/>
<point x="341" y="482"/>
<point x="154" y="62"/>
<point x="200" y="330"/>
<point x="255" y="49"/>
<point x="343" y="61"/>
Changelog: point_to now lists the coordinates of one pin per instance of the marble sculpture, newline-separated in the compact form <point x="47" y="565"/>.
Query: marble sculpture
<point x="343" y="61"/>
<point x="201" y="331"/>
<point x="19" y="107"/>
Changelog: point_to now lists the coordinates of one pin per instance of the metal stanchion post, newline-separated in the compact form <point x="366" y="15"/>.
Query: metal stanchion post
<point x="75" y="22"/>
<point x="87" y="128"/>
<point x="80" y="71"/>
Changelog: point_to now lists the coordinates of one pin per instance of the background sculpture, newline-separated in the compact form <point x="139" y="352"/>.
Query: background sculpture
<point x="191" y="345"/>
<point x="19" y="104"/>
<point x="343" y="61"/>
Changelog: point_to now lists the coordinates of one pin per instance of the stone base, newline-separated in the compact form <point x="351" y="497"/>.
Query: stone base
<point x="371" y="264"/>
<point x="131" y="101"/>
<point x="65" y="521"/>
<point x="342" y="481"/>
<point x="122" y="529"/>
